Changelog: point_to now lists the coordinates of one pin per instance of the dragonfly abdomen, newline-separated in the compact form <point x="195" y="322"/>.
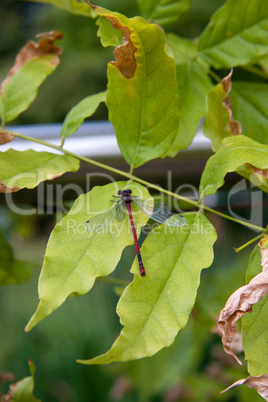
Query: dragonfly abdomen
<point x="141" y="267"/>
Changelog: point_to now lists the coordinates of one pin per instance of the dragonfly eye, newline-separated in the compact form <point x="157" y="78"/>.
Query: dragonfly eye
<point x="129" y="191"/>
<point x="119" y="192"/>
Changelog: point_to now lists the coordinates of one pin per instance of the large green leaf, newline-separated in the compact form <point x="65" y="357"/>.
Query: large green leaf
<point x="74" y="257"/>
<point x="142" y="93"/>
<point x="80" y="112"/>
<point x="254" y="325"/>
<point x="33" y="64"/>
<point x="193" y="86"/>
<point x="155" y="309"/>
<point x="234" y="152"/>
<point x="163" y="12"/>
<point x="73" y="6"/>
<point x="237" y="34"/>
<point x="11" y="270"/>
<point x="250" y="108"/>
<point x="219" y="122"/>
<point x="20" y="169"/>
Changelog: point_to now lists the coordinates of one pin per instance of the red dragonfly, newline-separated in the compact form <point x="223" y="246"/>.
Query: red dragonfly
<point x="159" y="212"/>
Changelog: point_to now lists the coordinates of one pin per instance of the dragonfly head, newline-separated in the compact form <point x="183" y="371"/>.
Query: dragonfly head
<point x="120" y="192"/>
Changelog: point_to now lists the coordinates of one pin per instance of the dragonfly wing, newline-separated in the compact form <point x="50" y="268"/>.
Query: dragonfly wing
<point x="159" y="212"/>
<point x="120" y="211"/>
<point x="175" y="220"/>
<point x="146" y="206"/>
<point x="102" y="220"/>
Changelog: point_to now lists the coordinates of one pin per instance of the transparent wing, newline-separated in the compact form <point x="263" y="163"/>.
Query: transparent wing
<point x="121" y="211"/>
<point x="102" y="220"/>
<point x="159" y="212"/>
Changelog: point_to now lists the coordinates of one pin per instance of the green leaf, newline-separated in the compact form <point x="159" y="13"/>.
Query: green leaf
<point x="163" y="12"/>
<point x="193" y="85"/>
<point x="263" y="62"/>
<point x="74" y="257"/>
<point x="249" y="102"/>
<point x="154" y="309"/>
<point x="142" y="96"/>
<point x="72" y="6"/>
<point x="11" y="270"/>
<point x="20" y="169"/>
<point x="236" y="35"/>
<point x="249" y="105"/>
<point x="219" y="122"/>
<point x="33" y="64"/>
<point x="254" y="264"/>
<point x="22" y="391"/>
<point x="107" y="34"/>
<point x="234" y="152"/>
<point x="183" y="50"/>
<point x="254" y="325"/>
<point x="22" y="88"/>
<point x="80" y="112"/>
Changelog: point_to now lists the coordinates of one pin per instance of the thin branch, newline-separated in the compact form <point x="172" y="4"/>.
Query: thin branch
<point x="138" y="180"/>
<point x="237" y="250"/>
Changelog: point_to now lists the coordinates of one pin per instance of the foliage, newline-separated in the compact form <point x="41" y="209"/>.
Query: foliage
<point x="22" y="391"/>
<point x="159" y="87"/>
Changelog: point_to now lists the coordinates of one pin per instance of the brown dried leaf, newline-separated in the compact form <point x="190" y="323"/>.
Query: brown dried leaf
<point x="5" y="189"/>
<point x="259" y="383"/>
<point x="125" y="54"/>
<point x="6" y="136"/>
<point x="234" y="126"/>
<point x="32" y="50"/>
<point x="239" y="303"/>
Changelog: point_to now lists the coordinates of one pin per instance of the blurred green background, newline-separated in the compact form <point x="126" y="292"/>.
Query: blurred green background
<point x="195" y="368"/>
